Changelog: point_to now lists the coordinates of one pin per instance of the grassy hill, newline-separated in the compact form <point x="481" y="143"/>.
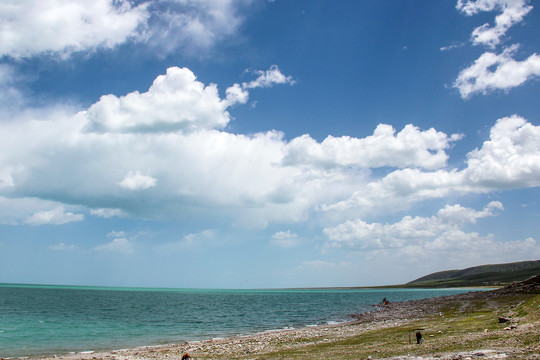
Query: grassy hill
<point x="485" y="275"/>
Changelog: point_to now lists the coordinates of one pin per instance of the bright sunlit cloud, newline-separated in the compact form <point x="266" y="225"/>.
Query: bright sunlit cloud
<point x="512" y="12"/>
<point x="492" y="72"/>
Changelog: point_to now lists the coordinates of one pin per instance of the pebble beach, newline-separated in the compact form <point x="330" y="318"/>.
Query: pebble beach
<point x="502" y="341"/>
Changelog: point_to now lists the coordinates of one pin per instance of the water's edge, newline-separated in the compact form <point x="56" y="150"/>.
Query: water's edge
<point x="46" y="320"/>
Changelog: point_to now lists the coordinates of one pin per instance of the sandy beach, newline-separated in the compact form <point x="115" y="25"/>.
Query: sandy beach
<point x="502" y="323"/>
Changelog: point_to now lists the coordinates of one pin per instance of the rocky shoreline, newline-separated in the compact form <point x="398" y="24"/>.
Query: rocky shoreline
<point x="299" y="343"/>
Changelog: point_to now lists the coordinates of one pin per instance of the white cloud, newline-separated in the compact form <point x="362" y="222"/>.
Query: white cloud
<point x="510" y="159"/>
<point x="286" y="239"/>
<point x="118" y="245"/>
<point x="513" y="12"/>
<point x="137" y="181"/>
<point x="421" y="244"/>
<point x="358" y="234"/>
<point x="496" y="72"/>
<point x="176" y="101"/>
<point x="410" y="147"/>
<point x="56" y="216"/>
<point x="236" y="95"/>
<point x="269" y="78"/>
<point x="14" y="211"/>
<point x="452" y="250"/>
<point x="247" y="180"/>
<point x="31" y="27"/>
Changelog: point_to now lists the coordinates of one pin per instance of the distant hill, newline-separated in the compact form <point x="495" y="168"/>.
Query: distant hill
<point x="485" y="275"/>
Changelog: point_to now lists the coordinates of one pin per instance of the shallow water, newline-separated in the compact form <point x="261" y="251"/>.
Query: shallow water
<point x="36" y="320"/>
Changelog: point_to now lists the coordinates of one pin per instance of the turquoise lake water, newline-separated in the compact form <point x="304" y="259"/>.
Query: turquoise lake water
<point x="38" y="320"/>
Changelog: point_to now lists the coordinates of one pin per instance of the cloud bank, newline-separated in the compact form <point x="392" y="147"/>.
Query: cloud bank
<point x="166" y="152"/>
<point x="60" y="28"/>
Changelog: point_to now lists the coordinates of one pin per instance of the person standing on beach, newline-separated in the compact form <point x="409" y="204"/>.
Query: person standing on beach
<point x="418" y="337"/>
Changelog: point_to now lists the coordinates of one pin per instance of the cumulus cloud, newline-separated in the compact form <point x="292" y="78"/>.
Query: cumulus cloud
<point x="286" y="239"/>
<point x="453" y="250"/>
<point x="436" y="242"/>
<point x="410" y="147"/>
<point x="15" y="211"/>
<point x="358" y="234"/>
<point x="512" y="12"/>
<point x="175" y="101"/>
<point x="31" y="27"/>
<point x="269" y="78"/>
<point x="510" y="159"/>
<point x="113" y="168"/>
<point x="497" y="72"/>
<point x="56" y="216"/>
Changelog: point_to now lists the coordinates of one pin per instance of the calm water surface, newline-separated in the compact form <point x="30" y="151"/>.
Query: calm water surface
<point x="36" y="320"/>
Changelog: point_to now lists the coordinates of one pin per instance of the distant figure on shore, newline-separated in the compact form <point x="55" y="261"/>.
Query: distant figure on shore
<point x="418" y="337"/>
<point x="384" y="302"/>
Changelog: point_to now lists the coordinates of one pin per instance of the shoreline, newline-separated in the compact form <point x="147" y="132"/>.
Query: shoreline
<point x="382" y="333"/>
<point x="249" y="343"/>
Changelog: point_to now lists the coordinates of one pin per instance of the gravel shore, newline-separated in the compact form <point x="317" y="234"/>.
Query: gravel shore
<point x="285" y="344"/>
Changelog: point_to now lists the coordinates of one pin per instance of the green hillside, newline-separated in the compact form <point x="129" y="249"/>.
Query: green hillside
<point x="485" y="275"/>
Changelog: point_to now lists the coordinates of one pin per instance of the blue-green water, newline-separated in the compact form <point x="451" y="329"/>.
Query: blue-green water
<point x="36" y="320"/>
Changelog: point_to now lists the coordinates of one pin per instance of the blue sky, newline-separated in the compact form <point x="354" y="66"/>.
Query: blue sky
<point x="248" y="144"/>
